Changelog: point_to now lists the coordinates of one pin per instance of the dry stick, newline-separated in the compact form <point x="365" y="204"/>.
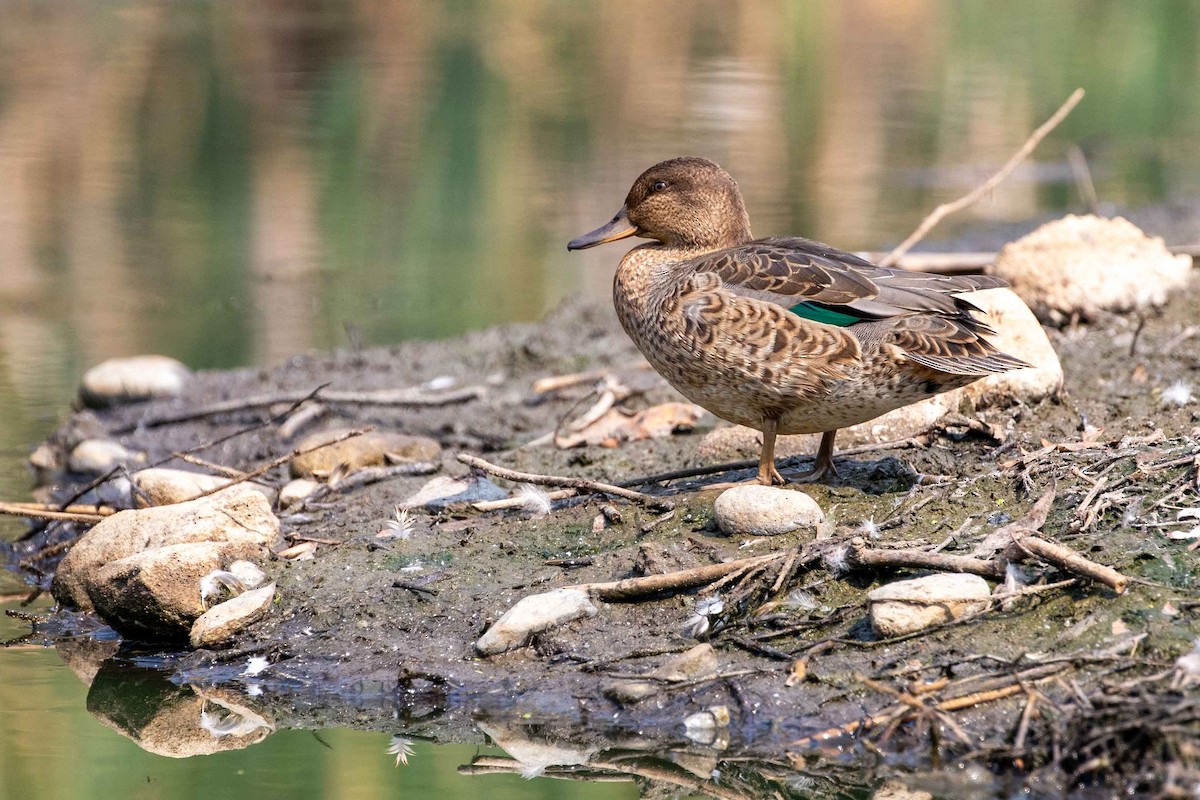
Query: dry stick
<point x="1066" y="559"/>
<point x="363" y="477"/>
<point x="555" y="383"/>
<point x="582" y="484"/>
<point x="88" y="509"/>
<point x="220" y="469"/>
<point x="30" y="512"/>
<point x="945" y="209"/>
<point x="283" y="459"/>
<point x="390" y="397"/>
<point x="690" y="472"/>
<point x="517" y="502"/>
<point x="864" y="556"/>
<point x="634" y="588"/>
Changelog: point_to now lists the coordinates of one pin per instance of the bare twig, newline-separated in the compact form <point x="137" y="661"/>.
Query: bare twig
<point x="945" y="209"/>
<point x="389" y="397"/>
<point x="37" y="511"/>
<point x="220" y="469"/>
<point x="517" y="502"/>
<point x="582" y="484"/>
<point x="634" y="588"/>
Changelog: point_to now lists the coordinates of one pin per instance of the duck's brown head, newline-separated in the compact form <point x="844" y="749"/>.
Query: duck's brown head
<point x="685" y="202"/>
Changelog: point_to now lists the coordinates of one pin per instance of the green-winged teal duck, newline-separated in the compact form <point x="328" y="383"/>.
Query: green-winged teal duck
<point x="785" y="335"/>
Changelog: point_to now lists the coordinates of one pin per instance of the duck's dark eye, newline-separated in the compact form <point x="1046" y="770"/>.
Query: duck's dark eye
<point x="658" y="186"/>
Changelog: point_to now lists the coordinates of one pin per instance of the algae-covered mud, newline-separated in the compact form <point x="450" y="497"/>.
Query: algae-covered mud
<point x="768" y="681"/>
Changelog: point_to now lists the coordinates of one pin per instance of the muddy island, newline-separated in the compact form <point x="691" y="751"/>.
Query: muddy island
<point x="516" y="534"/>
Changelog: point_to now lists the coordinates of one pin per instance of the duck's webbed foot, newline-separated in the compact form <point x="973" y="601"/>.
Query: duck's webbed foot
<point x="824" y="462"/>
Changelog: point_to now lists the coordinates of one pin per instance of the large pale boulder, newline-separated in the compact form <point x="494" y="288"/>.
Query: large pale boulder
<point x="155" y="594"/>
<point x="1078" y="266"/>
<point x="1019" y="334"/>
<point x="130" y="380"/>
<point x="376" y="448"/>
<point x="236" y="514"/>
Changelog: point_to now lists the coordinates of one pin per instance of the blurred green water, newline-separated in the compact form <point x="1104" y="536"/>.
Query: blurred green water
<point x="233" y="183"/>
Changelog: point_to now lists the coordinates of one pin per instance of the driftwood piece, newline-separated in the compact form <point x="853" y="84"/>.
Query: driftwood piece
<point x="862" y="555"/>
<point x="1027" y="544"/>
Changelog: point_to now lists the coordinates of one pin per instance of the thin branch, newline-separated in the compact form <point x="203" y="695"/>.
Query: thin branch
<point x="389" y="397"/>
<point x="670" y="582"/>
<point x="53" y="511"/>
<point x="582" y="484"/>
<point x="946" y="209"/>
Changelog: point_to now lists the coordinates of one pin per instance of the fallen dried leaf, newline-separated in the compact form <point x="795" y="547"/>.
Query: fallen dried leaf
<point x="617" y="426"/>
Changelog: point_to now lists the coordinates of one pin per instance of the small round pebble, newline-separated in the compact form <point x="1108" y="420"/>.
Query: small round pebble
<point x="94" y="456"/>
<point x="756" y="510"/>
<point x="903" y="607"/>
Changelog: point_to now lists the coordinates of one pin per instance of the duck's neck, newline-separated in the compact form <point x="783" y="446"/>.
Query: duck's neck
<point x="645" y="279"/>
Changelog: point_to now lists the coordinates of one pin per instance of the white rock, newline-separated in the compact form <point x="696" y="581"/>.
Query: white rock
<point x="248" y="572"/>
<point x="297" y="490"/>
<point x="1083" y="265"/>
<point x="703" y="727"/>
<point x="1019" y="334"/>
<point x="155" y="594"/>
<point x="534" y="614"/>
<point x="163" y="486"/>
<point x="904" y="607"/>
<point x="222" y="622"/>
<point x="236" y="514"/>
<point x="755" y="510"/>
<point x="96" y="456"/>
<point x="130" y="380"/>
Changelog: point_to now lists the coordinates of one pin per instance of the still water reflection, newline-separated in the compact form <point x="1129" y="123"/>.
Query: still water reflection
<point x="231" y="183"/>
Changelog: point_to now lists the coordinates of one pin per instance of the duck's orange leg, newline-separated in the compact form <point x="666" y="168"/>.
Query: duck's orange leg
<point x="767" y="474"/>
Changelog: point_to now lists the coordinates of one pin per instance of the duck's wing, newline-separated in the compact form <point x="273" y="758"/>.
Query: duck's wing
<point x="822" y="283"/>
<point x="921" y="314"/>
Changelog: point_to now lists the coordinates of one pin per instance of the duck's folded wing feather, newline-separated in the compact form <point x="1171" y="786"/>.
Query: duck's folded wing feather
<point x="840" y="286"/>
<point x="949" y="344"/>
